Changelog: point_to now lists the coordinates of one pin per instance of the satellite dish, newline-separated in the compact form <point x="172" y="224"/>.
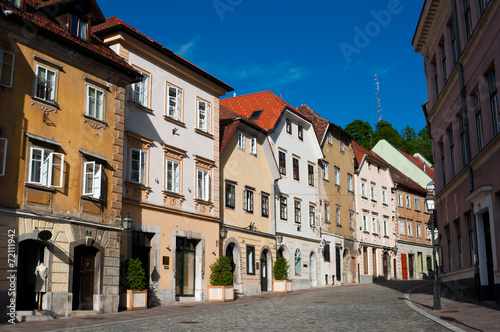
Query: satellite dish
<point x="45" y="235"/>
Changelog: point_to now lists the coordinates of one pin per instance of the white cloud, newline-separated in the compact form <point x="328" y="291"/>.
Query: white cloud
<point x="186" y="49"/>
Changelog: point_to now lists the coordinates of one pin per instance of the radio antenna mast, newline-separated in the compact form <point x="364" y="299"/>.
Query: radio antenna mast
<point x="377" y="85"/>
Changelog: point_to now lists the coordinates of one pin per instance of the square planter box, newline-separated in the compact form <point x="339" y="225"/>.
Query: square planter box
<point x="282" y="286"/>
<point x="220" y="293"/>
<point x="134" y="299"/>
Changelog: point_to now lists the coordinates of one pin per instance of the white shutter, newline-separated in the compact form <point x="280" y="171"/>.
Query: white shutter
<point x="176" y="178"/>
<point x="56" y="162"/>
<point x="46" y="170"/>
<point x="145" y="87"/>
<point x="97" y="181"/>
<point x="86" y="172"/>
<point x="3" y="155"/>
<point x="178" y="104"/>
<point x="207" y="187"/>
<point x="142" y="168"/>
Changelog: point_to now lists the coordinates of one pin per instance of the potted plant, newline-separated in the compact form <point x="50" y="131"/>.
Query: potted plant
<point x="221" y="279"/>
<point x="136" y="295"/>
<point x="281" y="284"/>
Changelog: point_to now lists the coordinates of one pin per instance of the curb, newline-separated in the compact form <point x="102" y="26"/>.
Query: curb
<point x="441" y="322"/>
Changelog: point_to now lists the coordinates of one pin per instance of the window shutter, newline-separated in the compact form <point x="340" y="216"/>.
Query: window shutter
<point x="245" y="200"/>
<point x="3" y="155"/>
<point x="88" y="168"/>
<point x="207" y="186"/>
<point x="169" y="175"/>
<point x="7" y="60"/>
<point x="56" y="170"/>
<point x="142" y="168"/>
<point x="200" y="185"/>
<point x="46" y="178"/>
<point x="97" y="181"/>
<point x="145" y="87"/>
<point x="178" y="104"/>
<point x="176" y="179"/>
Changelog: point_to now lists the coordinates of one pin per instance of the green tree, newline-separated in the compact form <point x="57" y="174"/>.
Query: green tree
<point x="410" y="138"/>
<point x="362" y="132"/>
<point x="222" y="274"/>
<point x="423" y="144"/>
<point x="280" y="269"/>
<point x="384" y="130"/>
<point x="136" y="276"/>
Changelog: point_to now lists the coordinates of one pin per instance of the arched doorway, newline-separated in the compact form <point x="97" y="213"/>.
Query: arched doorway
<point x="347" y="275"/>
<point x="233" y="252"/>
<point x="84" y="281"/>
<point x="264" y="271"/>
<point x="230" y="255"/>
<point x="31" y="254"/>
<point x="312" y="269"/>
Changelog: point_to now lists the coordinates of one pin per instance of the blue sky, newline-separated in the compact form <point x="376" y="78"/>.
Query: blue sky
<point x="321" y="53"/>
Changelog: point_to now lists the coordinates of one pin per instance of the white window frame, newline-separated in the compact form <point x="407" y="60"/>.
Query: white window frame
<point x="402" y="229"/>
<point x="140" y="90"/>
<point x="342" y="146"/>
<point x="337" y="215"/>
<point x="241" y="140"/>
<point x="419" y="230"/>
<point x="92" y="179"/>
<point x="384" y="196"/>
<point x="337" y="176"/>
<point x="372" y="193"/>
<point x="330" y="138"/>
<point x="409" y="228"/>
<point x="141" y="169"/>
<point x="374" y="225"/>
<point x="365" y="223"/>
<point x="50" y="97"/>
<point x="173" y="176"/>
<point x="4" y="67"/>
<point x="248" y="200"/>
<point x="408" y="202"/>
<point x="100" y="97"/>
<point x="325" y="171"/>
<point x="363" y="189"/>
<point x="3" y="155"/>
<point x="327" y="212"/>
<point x="349" y="182"/>
<point x="203" y="185"/>
<point x="174" y="103"/>
<point x="46" y="168"/>
<point x="253" y="145"/>
<point x="428" y="234"/>
<point x="417" y="204"/>
<point x="202" y="115"/>
<point x="400" y="199"/>
<point x="386" y="231"/>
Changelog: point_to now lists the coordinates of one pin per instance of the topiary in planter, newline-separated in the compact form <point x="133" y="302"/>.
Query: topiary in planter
<point x="222" y="274"/>
<point x="280" y="269"/>
<point x="136" y="276"/>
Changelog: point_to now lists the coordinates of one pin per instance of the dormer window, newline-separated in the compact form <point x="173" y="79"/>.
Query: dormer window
<point x="78" y="27"/>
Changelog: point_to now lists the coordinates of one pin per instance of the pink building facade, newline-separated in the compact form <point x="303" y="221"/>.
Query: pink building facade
<point x="460" y="43"/>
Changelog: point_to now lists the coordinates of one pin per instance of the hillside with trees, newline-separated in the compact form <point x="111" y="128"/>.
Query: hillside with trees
<point x="408" y="139"/>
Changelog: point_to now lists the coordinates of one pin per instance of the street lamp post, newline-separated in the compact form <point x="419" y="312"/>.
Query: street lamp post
<point x="432" y="224"/>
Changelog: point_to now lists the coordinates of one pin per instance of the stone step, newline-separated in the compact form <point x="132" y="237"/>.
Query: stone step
<point x="33" y="315"/>
<point x="82" y="313"/>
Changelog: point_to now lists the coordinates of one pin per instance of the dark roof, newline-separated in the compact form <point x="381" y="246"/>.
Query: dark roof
<point x="52" y="30"/>
<point x="419" y="163"/>
<point x="404" y="181"/>
<point x="320" y="124"/>
<point x="113" y="23"/>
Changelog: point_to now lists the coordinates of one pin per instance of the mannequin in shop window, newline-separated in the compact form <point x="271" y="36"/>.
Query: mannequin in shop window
<point x="41" y="273"/>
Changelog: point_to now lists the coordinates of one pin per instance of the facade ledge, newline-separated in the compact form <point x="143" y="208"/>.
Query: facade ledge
<point x="40" y="187"/>
<point x="43" y="105"/>
<point x="174" y="121"/>
<point x="203" y="133"/>
<point x="141" y="107"/>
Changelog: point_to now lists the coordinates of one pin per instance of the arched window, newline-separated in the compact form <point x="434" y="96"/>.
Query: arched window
<point x="298" y="262"/>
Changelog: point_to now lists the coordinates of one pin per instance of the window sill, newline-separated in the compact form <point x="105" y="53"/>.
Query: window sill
<point x="264" y="216"/>
<point x="364" y="197"/>
<point x="385" y="204"/>
<point x="204" y="133"/>
<point x="386" y="236"/>
<point x="366" y="232"/>
<point x="39" y="187"/>
<point x="47" y="105"/>
<point x="140" y="106"/>
<point x="326" y="180"/>
<point x="339" y="225"/>
<point x="202" y="202"/>
<point x="374" y="201"/>
<point x="92" y="199"/>
<point x="172" y="194"/>
<point x="174" y="121"/>
<point x="229" y="207"/>
<point x="94" y="122"/>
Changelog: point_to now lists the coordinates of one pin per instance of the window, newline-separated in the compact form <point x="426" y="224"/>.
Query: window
<point x="479" y="121"/>
<point x="78" y="27"/>
<point x="365" y="223"/>
<point x="326" y="252"/>
<point x="482" y="5"/>
<point x="443" y="61"/>
<point x="283" y="207"/>
<point x="312" y="216"/>
<point x="253" y="146"/>
<point x="330" y="138"/>
<point x="295" y="164"/>
<point x="427" y="233"/>
<point x="337" y="215"/>
<point x="203" y="185"/>
<point x="454" y="42"/>
<point x="203" y="113"/>
<point x="325" y="171"/>
<point x="384" y="196"/>
<point x="241" y="140"/>
<point x="342" y="146"/>
<point x="452" y="152"/>
<point x="140" y="91"/>
<point x="289" y="126"/>
<point x="297" y="211"/>
<point x="351" y="219"/>
<point x="327" y="212"/>
<point x="436" y="84"/>
<point x="92" y="179"/>
<point x="400" y="199"/>
<point x="417" y="204"/>
<point x="363" y="189"/>
<point x="409" y="227"/>
<point x="463" y="142"/>
<point x="95" y="103"/>
<point x="282" y="162"/>
<point x="45" y="86"/>
<point x="471" y="238"/>
<point x="300" y="133"/>
<point x="174" y="102"/>
<point x="419" y="230"/>
<point x="7" y="60"/>
<point x="402" y="227"/>
<point x="173" y="176"/>
<point x="494" y="105"/>
<point x="230" y="195"/>
<point x="408" y="202"/>
<point x="250" y="260"/>
<point x="386" y="231"/>
<point x="349" y="182"/>
<point x="3" y="155"/>
<point x="248" y="200"/>
<point x="372" y="193"/>
<point x="426" y="208"/>
<point x="137" y="166"/>
<point x="46" y="168"/>
<point x="468" y="21"/>
<point x="265" y="205"/>
<point x="443" y="164"/>
<point x="374" y="225"/>
<point x="337" y="176"/>
<point x="459" y="244"/>
<point x="298" y="262"/>
<point x="310" y="175"/>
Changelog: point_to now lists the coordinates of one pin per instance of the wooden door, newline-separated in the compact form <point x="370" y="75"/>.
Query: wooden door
<point x="263" y="270"/>
<point x="404" y="266"/>
<point x="87" y="282"/>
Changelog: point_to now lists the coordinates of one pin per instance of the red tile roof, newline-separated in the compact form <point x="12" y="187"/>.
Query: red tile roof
<point x="42" y="25"/>
<point x="114" y="23"/>
<point x="372" y="156"/>
<point x="271" y="105"/>
<point x="320" y="124"/>
<point x="419" y="163"/>
<point x="404" y="181"/>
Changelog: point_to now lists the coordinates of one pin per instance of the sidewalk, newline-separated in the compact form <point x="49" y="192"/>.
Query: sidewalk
<point x="457" y="313"/>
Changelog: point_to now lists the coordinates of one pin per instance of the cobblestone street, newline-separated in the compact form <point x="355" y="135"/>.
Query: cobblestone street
<point x="368" y="307"/>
